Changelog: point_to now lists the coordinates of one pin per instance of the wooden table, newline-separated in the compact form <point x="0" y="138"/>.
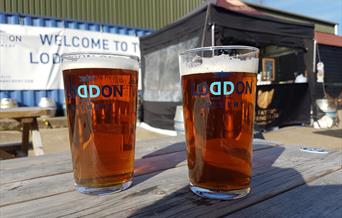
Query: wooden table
<point x="286" y="182"/>
<point x="28" y="118"/>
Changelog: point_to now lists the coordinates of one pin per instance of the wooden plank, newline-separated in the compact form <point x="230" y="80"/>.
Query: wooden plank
<point x="179" y="202"/>
<point x="12" y="147"/>
<point x="32" y="189"/>
<point x="155" y="193"/>
<point x="64" y="204"/>
<point x="52" y="164"/>
<point x="36" y="138"/>
<point x="146" y="201"/>
<point x="142" y="147"/>
<point x="25" y="136"/>
<point x="5" y="155"/>
<point x="35" y="168"/>
<point x="319" y="198"/>
<point x="22" y="112"/>
<point x="15" y="191"/>
<point x="19" y="149"/>
<point x="145" y="147"/>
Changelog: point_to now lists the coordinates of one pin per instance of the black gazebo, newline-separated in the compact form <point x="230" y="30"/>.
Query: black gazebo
<point x="214" y="24"/>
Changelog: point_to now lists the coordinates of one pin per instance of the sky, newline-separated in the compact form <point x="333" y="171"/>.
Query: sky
<point x="330" y="10"/>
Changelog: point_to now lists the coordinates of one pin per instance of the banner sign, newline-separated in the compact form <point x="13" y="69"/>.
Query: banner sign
<point x="30" y="57"/>
<point x="282" y="104"/>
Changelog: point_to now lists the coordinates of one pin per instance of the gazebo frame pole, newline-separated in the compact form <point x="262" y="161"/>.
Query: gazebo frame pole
<point x="213" y="35"/>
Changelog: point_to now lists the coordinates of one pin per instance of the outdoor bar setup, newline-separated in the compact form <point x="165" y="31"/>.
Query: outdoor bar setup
<point x="286" y="81"/>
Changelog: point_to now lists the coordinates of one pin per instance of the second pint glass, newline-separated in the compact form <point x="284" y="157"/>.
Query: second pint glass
<point x="101" y="97"/>
<point x="219" y="86"/>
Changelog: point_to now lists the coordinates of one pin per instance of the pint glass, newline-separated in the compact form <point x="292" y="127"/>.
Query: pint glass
<point x="218" y="87"/>
<point x="101" y="96"/>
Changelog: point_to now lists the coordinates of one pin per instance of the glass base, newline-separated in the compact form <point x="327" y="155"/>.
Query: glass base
<point x="219" y="195"/>
<point x="103" y="190"/>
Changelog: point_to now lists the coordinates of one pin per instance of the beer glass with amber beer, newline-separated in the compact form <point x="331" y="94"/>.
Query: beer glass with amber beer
<point x="101" y="97"/>
<point x="218" y="87"/>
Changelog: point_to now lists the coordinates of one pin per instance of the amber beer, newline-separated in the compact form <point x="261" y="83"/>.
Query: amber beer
<point x="218" y="103"/>
<point x="101" y="96"/>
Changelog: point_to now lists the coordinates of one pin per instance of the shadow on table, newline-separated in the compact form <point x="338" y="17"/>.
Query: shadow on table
<point x="331" y="132"/>
<point x="175" y="147"/>
<point x="267" y="182"/>
<point x="156" y="162"/>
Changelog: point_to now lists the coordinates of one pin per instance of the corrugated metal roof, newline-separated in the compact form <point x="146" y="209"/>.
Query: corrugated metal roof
<point x="328" y="39"/>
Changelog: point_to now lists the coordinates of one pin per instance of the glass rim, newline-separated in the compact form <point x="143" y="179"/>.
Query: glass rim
<point x="213" y="48"/>
<point x="68" y="54"/>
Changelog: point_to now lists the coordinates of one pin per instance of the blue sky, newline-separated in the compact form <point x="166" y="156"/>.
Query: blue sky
<point x="330" y="10"/>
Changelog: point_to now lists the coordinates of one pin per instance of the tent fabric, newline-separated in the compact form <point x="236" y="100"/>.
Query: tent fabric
<point x="259" y="23"/>
<point x="254" y="24"/>
<point x="160" y="114"/>
<point x="235" y="5"/>
<point x="160" y="50"/>
<point x="231" y="36"/>
<point x="162" y="83"/>
<point x="180" y="30"/>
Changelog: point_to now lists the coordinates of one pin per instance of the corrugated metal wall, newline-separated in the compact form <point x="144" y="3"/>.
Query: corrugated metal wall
<point x="151" y="14"/>
<point x="32" y="97"/>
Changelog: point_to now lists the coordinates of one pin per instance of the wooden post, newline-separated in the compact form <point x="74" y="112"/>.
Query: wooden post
<point x="26" y="122"/>
<point x="36" y="138"/>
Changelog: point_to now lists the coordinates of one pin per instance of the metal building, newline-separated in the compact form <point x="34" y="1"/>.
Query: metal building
<point x="32" y="97"/>
<point x="151" y="14"/>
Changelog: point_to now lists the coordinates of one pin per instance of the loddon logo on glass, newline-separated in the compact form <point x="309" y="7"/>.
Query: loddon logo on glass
<point x="218" y="88"/>
<point x="94" y="91"/>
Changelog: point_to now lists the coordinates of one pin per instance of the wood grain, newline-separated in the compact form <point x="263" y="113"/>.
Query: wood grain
<point x="36" y="139"/>
<point x="22" y="112"/>
<point x="24" y="190"/>
<point x="25" y="136"/>
<point x="165" y="193"/>
<point x="319" y="198"/>
<point x="272" y="182"/>
<point x="52" y="164"/>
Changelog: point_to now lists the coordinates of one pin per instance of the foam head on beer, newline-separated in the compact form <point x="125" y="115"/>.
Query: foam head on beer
<point x="105" y="61"/>
<point x="89" y="63"/>
<point x="221" y="63"/>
